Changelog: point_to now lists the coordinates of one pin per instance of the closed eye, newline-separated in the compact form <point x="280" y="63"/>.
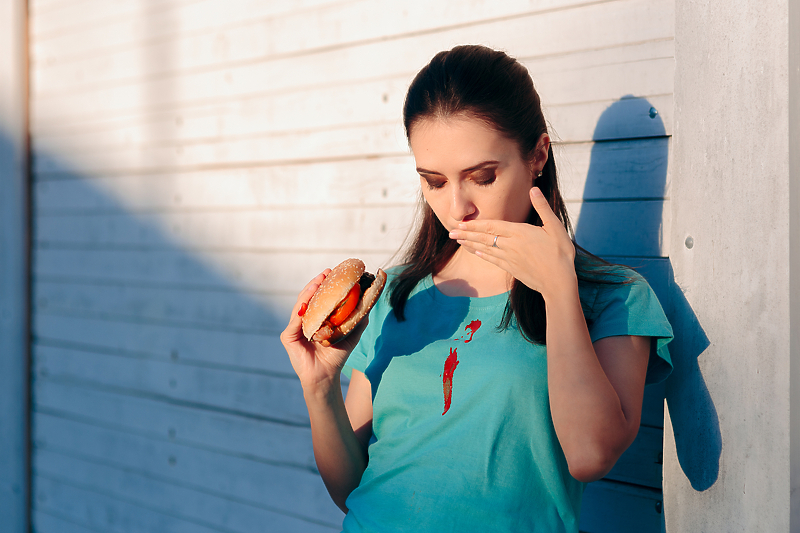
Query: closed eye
<point x="433" y="182"/>
<point x="484" y="177"/>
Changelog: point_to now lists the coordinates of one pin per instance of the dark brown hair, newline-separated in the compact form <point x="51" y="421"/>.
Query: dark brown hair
<point x="495" y="88"/>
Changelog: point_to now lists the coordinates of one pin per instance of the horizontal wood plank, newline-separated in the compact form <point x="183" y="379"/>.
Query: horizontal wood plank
<point x="98" y="511"/>
<point x="366" y="229"/>
<point x="63" y="22"/>
<point x="226" y="433"/>
<point x="295" y="492"/>
<point x="247" y="394"/>
<point x="610" y="507"/>
<point x="47" y="520"/>
<point x="160" y="496"/>
<point x="265" y="311"/>
<point x="232" y="349"/>
<point x="242" y="271"/>
<point x="375" y="182"/>
<point x="641" y="464"/>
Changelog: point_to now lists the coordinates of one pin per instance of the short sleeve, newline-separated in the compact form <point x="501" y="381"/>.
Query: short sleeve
<point x="633" y="309"/>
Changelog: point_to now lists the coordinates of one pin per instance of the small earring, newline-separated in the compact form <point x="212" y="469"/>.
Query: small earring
<point x="539" y="175"/>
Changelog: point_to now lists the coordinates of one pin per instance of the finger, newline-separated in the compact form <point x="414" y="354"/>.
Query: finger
<point x="493" y="259"/>
<point x="539" y="203"/>
<point x="491" y="227"/>
<point x="483" y="242"/>
<point x="305" y="295"/>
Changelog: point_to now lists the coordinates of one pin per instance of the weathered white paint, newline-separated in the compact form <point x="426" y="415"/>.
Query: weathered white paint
<point x="727" y="460"/>
<point x="14" y="268"/>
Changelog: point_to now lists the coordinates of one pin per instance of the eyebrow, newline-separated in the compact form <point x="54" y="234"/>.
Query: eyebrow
<point x="479" y="166"/>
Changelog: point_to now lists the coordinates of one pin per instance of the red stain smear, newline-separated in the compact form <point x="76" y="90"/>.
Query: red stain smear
<point x="472" y="327"/>
<point x="447" y="378"/>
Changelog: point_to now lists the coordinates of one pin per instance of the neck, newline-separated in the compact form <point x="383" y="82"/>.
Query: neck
<point x="468" y="275"/>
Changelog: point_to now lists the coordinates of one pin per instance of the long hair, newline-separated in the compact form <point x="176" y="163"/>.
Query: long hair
<point x="488" y="85"/>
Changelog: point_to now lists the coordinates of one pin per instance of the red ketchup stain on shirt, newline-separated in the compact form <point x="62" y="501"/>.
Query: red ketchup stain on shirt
<point x="447" y="378"/>
<point x="472" y="327"/>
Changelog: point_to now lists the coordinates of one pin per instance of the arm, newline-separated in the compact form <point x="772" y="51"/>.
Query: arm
<point x="340" y="432"/>
<point x="595" y="389"/>
<point x="340" y="451"/>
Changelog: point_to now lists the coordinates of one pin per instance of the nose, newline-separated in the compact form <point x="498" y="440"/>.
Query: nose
<point x="461" y="207"/>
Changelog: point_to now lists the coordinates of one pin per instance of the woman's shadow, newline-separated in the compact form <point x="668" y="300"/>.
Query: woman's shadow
<point x="620" y="220"/>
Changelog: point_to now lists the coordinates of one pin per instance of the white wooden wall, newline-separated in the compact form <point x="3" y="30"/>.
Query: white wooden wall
<point x="197" y="161"/>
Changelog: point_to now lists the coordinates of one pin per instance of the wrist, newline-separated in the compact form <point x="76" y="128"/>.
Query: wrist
<point x="561" y="288"/>
<point x="322" y="389"/>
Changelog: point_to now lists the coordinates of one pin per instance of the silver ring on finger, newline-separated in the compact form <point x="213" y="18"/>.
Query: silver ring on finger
<point x="494" y="244"/>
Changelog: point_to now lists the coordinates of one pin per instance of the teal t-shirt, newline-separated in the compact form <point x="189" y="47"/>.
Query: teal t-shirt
<point x="462" y="437"/>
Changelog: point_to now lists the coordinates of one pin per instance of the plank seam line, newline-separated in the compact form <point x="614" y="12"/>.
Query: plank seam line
<point x="335" y="47"/>
<point x="80" y="212"/>
<point x="55" y="279"/>
<point x="138" y="393"/>
<point x="38" y="507"/>
<point x="109" y="171"/>
<point x="166" y="37"/>
<point x="655" y="493"/>
<point x="160" y="358"/>
<point x="65" y="415"/>
<point x="132" y="247"/>
<point x="75" y="28"/>
<point x="136" y="113"/>
<point x="89" y="488"/>
<point x="236" y="165"/>
<point x="132" y="319"/>
<point x="253" y="136"/>
<point x="167" y="142"/>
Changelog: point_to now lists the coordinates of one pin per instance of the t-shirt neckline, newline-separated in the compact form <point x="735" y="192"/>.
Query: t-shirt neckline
<point x="429" y="287"/>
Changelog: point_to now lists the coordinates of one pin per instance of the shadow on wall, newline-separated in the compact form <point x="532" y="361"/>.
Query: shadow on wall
<point x="692" y="412"/>
<point x="162" y="397"/>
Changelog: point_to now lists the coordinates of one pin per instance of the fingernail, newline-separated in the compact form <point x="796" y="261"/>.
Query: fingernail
<point x="462" y="226"/>
<point x="302" y="310"/>
<point x="453" y="235"/>
<point x="537" y="192"/>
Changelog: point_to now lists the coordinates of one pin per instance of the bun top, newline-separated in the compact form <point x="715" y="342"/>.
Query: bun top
<point x="333" y="290"/>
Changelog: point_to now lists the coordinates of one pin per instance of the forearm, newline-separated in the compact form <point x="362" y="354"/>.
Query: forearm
<point x="587" y="412"/>
<point x="340" y="458"/>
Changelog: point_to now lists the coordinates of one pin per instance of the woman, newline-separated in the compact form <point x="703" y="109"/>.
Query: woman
<point x="504" y="367"/>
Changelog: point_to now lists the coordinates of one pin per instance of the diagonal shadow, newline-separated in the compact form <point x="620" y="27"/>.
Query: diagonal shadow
<point x="621" y="220"/>
<point x="162" y="395"/>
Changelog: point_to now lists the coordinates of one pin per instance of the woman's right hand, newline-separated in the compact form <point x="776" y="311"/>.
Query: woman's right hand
<point x="316" y="365"/>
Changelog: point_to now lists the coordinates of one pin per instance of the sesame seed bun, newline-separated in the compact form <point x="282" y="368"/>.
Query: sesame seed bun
<point x="335" y="288"/>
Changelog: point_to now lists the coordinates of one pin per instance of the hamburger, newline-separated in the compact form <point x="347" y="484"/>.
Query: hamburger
<point x="343" y="298"/>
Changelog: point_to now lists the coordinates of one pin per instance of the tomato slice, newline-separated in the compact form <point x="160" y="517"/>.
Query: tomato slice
<point x="344" y="310"/>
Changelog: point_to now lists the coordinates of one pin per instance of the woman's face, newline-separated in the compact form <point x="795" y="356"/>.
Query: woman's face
<point x="470" y="171"/>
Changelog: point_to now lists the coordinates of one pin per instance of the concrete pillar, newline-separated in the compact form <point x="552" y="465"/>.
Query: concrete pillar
<point x="14" y="332"/>
<point x="727" y="451"/>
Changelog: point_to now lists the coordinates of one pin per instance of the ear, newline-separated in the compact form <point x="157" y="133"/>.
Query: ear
<point x="540" y="155"/>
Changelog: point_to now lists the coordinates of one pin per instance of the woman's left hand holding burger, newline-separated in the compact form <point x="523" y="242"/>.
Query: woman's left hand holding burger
<point x="541" y="257"/>
<point x="313" y="362"/>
